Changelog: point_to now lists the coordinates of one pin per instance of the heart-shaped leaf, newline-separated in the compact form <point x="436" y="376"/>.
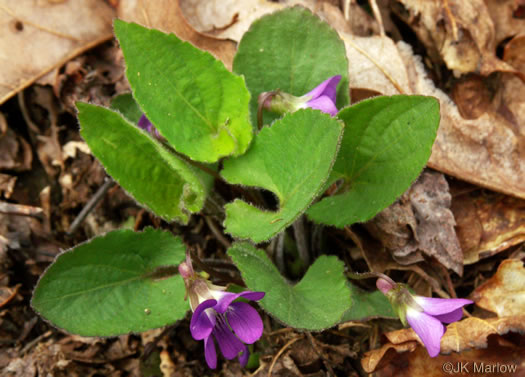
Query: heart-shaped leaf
<point x="292" y="158"/>
<point x="386" y="144"/>
<point x="190" y="97"/>
<point x="317" y="302"/>
<point x="156" y="178"/>
<point x="109" y="285"/>
<point x="292" y="50"/>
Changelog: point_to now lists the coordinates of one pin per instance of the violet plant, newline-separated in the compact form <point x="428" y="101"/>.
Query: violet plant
<point x="163" y="145"/>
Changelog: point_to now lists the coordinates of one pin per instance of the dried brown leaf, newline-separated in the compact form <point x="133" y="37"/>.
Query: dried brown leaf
<point x="470" y="333"/>
<point x="225" y="19"/>
<point x="488" y="151"/>
<point x="472" y="97"/>
<point x="41" y="36"/>
<point x="430" y="199"/>
<point x="504" y="293"/>
<point x="7" y="184"/>
<point x="460" y="33"/>
<point x="421" y="221"/>
<point x="514" y="52"/>
<point x="506" y="22"/>
<point x="380" y="358"/>
<point x="504" y="358"/>
<point x="166" y="15"/>
<point x="488" y="223"/>
<point x="375" y="64"/>
<point x="230" y="19"/>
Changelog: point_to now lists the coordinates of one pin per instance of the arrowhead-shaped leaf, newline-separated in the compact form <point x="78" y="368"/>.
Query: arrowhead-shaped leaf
<point x="292" y="50"/>
<point x="157" y="179"/>
<point x="386" y="144"/>
<point x="292" y="158"/>
<point x="200" y="107"/>
<point x="107" y="286"/>
<point x="317" y="302"/>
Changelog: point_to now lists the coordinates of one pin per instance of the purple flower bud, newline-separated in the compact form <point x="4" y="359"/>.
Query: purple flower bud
<point x="384" y="285"/>
<point x="186" y="268"/>
<point x="322" y="97"/>
<point x="424" y="314"/>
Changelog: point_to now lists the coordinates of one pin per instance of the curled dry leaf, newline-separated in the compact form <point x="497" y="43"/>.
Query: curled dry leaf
<point x="382" y="357"/>
<point x="421" y="221"/>
<point x="16" y="153"/>
<point x="460" y="33"/>
<point x="230" y="19"/>
<point x="395" y="227"/>
<point x="487" y="151"/>
<point x="504" y="14"/>
<point x="470" y="333"/>
<point x="487" y="223"/>
<point x="7" y="184"/>
<point x="376" y="65"/>
<point x="472" y="96"/>
<point x="225" y="19"/>
<point x="66" y="29"/>
<point x="500" y="356"/>
<point x="504" y="293"/>
<point x="166" y="15"/>
<point x="430" y="199"/>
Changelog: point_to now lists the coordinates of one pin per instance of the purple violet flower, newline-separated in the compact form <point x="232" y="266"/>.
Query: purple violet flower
<point x="147" y="126"/>
<point x="322" y="97"/>
<point x="425" y="315"/>
<point x="216" y="317"/>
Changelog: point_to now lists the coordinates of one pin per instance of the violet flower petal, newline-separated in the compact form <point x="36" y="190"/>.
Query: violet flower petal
<point x="244" y="356"/>
<point x="245" y="322"/>
<point x="202" y="324"/>
<point x="325" y="104"/>
<point x="144" y="123"/>
<point x="453" y="316"/>
<point x="226" y="298"/>
<point x="210" y="354"/>
<point x="437" y="306"/>
<point x="326" y="88"/>
<point x="428" y="328"/>
<point x="229" y="345"/>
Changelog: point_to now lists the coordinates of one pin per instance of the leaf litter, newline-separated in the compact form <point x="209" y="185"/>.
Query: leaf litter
<point x="447" y="234"/>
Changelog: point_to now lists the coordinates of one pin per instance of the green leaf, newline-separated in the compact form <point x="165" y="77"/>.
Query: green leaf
<point x="366" y="305"/>
<point x="386" y="144"/>
<point x="317" y="302"/>
<point x="105" y="287"/>
<point x="126" y="105"/>
<point x="157" y="179"/>
<point x="292" y="50"/>
<point x="292" y="158"/>
<point x="192" y="99"/>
